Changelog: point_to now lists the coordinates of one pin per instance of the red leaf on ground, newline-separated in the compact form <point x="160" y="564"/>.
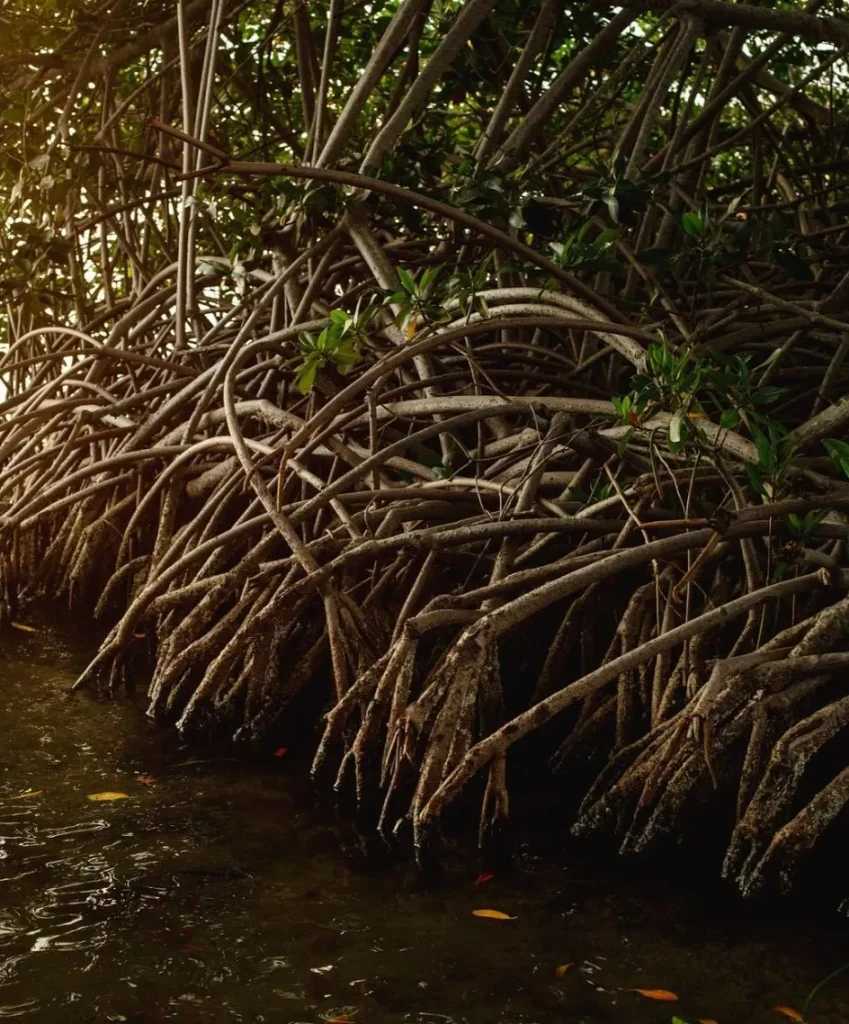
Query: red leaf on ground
<point x="661" y="994"/>
<point x="789" y="1013"/>
<point x="281" y="752"/>
<point x="484" y="876"/>
<point x="146" y="780"/>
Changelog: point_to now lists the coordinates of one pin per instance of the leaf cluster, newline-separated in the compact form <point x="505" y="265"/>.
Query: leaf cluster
<point x="339" y="344"/>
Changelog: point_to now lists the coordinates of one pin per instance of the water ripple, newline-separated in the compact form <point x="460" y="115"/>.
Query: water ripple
<point x="20" y="1009"/>
<point x="77" y="829"/>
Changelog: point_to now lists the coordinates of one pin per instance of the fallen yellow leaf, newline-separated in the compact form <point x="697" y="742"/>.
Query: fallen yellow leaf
<point x="108" y="796"/>
<point x="412" y="324"/>
<point x="790" y="1013"/>
<point x="660" y="994"/>
<point x="21" y="626"/>
<point x="29" y="793"/>
<point x="496" y="915"/>
<point x="707" y="1020"/>
<point x="562" y="969"/>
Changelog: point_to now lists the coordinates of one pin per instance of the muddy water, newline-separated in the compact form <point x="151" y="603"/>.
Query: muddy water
<point x="215" y="893"/>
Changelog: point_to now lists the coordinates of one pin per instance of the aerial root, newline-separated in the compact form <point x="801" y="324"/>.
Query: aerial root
<point x="438" y="480"/>
<point x="424" y="697"/>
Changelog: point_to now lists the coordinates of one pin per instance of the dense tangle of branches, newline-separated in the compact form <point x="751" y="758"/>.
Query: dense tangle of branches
<point x="447" y="378"/>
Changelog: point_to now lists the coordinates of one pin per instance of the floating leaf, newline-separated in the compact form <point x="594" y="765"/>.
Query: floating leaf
<point x="790" y="1013"/>
<point x="496" y="915"/>
<point x="108" y="796"/>
<point x="146" y="780"/>
<point x="562" y="969"/>
<point x="662" y="995"/>
<point x="23" y="628"/>
<point x="484" y="876"/>
<point x="25" y="796"/>
<point x="281" y="751"/>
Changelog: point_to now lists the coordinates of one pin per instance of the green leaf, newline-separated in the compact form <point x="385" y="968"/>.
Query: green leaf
<point x="346" y="354"/>
<point x="768" y="394"/>
<point x="408" y="284"/>
<point x="624" y="441"/>
<point x="755" y="479"/>
<point x="622" y="405"/>
<point x="307" y="375"/>
<point x="766" y="455"/>
<point x="693" y="224"/>
<point x="835" y="448"/>
<point x="656" y="360"/>
<point x="795" y="524"/>
<point x="729" y="419"/>
<point x="839" y="452"/>
<point x="429" y="278"/>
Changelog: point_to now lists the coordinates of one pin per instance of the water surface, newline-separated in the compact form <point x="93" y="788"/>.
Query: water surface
<point x="216" y="893"/>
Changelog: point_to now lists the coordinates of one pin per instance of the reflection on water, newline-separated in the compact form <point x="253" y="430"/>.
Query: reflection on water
<point x="215" y="894"/>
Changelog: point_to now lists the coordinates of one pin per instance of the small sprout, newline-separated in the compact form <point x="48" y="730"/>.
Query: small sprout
<point x="839" y="452"/>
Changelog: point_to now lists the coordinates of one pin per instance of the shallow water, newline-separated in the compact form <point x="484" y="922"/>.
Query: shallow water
<point x="215" y="893"/>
